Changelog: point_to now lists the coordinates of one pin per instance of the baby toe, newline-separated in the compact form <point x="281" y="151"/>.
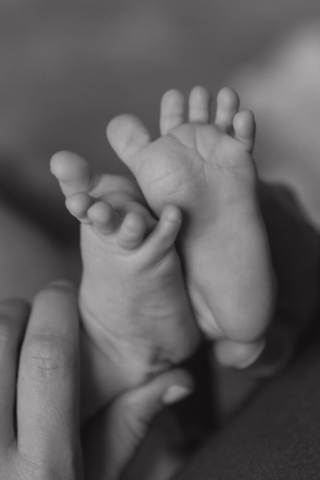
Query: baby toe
<point x="72" y="171"/>
<point x="199" y="105"/>
<point x="227" y="106"/>
<point x="171" y="111"/>
<point x="127" y="136"/>
<point x="245" y="129"/>
<point x="78" y="205"/>
<point x="132" y="231"/>
<point x="163" y="237"/>
<point x="103" y="217"/>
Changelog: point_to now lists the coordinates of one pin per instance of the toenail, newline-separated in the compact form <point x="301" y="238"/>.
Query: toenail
<point x="173" y="217"/>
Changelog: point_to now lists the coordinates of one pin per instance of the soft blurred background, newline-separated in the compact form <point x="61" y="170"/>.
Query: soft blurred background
<point x="68" y="67"/>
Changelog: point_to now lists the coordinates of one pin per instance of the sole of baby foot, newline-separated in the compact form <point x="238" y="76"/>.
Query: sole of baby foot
<point x="133" y="302"/>
<point x="142" y="274"/>
<point x="207" y="170"/>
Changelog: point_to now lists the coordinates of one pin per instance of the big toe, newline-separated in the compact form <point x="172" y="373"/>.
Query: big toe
<point x="127" y="136"/>
<point x="72" y="171"/>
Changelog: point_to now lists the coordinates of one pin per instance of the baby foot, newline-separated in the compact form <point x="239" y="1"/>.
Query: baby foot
<point x="132" y="297"/>
<point x="207" y="170"/>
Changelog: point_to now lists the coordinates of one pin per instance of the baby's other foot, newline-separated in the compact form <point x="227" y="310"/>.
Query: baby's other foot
<point x="207" y="170"/>
<point x="132" y="299"/>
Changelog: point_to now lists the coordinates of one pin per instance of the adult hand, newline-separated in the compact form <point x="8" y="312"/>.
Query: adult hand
<point x="39" y="436"/>
<point x="111" y="439"/>
<point x="39" y="402"/>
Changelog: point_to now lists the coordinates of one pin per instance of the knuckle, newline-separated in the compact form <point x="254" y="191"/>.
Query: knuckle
<point x="49" y="357"/>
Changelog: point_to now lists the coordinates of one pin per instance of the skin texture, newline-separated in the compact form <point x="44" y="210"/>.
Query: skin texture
<point x="136" y="316"/>
<point x="45" y="442"/>
<point x="207" y="170"/>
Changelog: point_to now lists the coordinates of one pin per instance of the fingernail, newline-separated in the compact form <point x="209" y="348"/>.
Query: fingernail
<point x="61" y="283"/>
<point x="175" y="394"/>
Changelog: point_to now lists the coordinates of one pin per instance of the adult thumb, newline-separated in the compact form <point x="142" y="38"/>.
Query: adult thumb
<point x="114" y="435"/>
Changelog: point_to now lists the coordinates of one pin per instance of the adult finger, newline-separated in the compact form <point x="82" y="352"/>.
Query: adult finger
<point x="13" y="319"/>
<point x="111" y="440"/>
<point x="48" y="381"/>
